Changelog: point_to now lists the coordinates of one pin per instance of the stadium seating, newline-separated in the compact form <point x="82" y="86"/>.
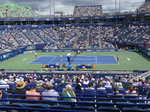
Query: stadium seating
<point x="76" y="37"/>
<point x="89" y="10"/>
<point x="87" y="36"/>
<point x="145" y="7"/>
<point x="15" y="11"/>
<point x="93" y="100"/>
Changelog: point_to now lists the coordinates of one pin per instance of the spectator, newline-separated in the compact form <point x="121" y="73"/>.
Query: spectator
<point x="20" y="89"/>
<point x="131" y="90"/>
<point x="68" y="92"/>
<point x="3" y="83"/>
<point x="101" y="88"/>
<point x="49" y="92"/>
<point x="108" y="84"/>
<point x="90" y="86"/>
<point x="86" y="81"/>
<point x="1" y="94"/>
<point x="40" y="86"/>
<point x="32" y="91"/>
<point x="27" y="81"/>
<point x="115" y="92"/>
<point x="78" y="88"/>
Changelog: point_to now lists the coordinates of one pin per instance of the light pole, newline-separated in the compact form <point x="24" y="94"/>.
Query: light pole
<point x="50" y="7"/>
<point x="115" y="5"/>
<point x="116" y="11"/>
<point x="119" y="6"/>
<point x="54" y="7"/>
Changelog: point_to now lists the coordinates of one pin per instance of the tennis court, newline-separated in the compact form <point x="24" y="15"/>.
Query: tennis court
<point x="81" y="59"/>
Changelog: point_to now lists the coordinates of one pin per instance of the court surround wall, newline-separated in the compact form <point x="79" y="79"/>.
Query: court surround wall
<point x="21" y="50"/>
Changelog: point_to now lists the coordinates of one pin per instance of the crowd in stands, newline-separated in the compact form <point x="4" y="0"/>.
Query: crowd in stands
<point x="144" y="7"/>
<point x="59" y="82"/>
<point x="127" y="34"/>
<point x="15" y="11"/>
<point x="77" y="37"/>
<point x="72" y="88"/>
<point x="63" y="87"/>
<point x="86" y="11"/>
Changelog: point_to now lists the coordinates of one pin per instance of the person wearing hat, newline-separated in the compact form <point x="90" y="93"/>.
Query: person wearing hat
<point x="49" y="92"/>
<point x="32" y="91"/>
<point x="40" y="85"/>
<point x="68" y="92"/>
<point x="20" y="89"/>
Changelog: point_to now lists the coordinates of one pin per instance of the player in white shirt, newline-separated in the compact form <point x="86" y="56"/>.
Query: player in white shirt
<point x="35" y="54"/>
<point x="60" y="57"/>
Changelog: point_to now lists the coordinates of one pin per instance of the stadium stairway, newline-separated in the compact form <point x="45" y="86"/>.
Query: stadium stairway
<point x="143" y="76"/>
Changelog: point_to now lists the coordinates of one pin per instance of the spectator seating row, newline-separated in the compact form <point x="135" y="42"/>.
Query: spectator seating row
<point x="45" y="105"/>
<point x="78" y="37"/>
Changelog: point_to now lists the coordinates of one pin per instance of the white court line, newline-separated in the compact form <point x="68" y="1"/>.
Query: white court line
<point x="128" y="59"/>
<point x="34" y="59"/>
<point x="96" y="59"/>
<point x="24" y="59"/>
<point x="52" y="59"/>
<point x="84" y="59"/>
<point x="115" y="59"/>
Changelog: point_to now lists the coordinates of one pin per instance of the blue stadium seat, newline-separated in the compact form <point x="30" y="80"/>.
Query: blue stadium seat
<point x="131" y="96"/>
<point x="87" y="103"/>
<point x="45" y="106"/>
<point x="51" y="103"/>
<point x="148" y="110"/>
<point x="84" y="108"/>
<point x="62" y="107"/>
<point x="104" y="104"/>
<point x="134" y="109"/>
<point x="137" y="101"/>
<point x="15" y="105"/>
<point x="102" y="99"/>
<point x="107" y="109"/>
<point x="121" y="105"/>
<point x="3" y="104"/>
<point x="101" y="91"/>
<point x="143" y="105"/>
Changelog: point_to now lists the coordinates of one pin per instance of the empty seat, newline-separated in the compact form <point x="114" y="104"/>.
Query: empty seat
<point x="105" y="104"/>
<point x="14" y="105"/>
<point x="49" y="102"/>
<point x="31" y="101"/>
<point x="37" y="107"/>
<point x="143" y="105"/>
<point x="84" y="108"/>
<point x="46" y="106"/>
<point x="108" y="109"/>
<point x="121" y="105"/>
<point x="101" y="98"/>
<point x="132" y="109"/>
<point x="131" y="96"/>
<point x="62" y="107"/>
<point x="137" y="101"/>
<point x="87" y="103"/>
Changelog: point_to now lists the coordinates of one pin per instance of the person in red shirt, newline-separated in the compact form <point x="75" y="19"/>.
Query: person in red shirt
<point x="32" y="91"/>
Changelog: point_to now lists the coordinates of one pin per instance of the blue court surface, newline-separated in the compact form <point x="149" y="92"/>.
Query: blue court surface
<point x="98" y="59"/>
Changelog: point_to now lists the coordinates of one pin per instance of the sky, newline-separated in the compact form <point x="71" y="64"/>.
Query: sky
<point x="47" y="7"/>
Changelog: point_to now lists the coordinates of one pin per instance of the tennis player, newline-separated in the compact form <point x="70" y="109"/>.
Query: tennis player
<point x="60" y="57"/>
<point x="35" y="54"/>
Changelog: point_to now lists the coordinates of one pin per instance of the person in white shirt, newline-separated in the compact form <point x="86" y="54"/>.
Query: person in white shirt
<point x="60" y="57"/>
<point x="35" y="55"/>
